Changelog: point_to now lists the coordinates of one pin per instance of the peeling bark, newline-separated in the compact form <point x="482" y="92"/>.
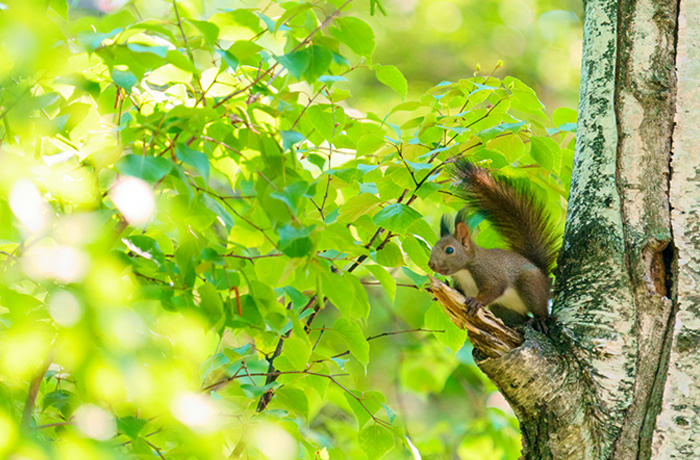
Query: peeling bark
<point x="486" y="331"/>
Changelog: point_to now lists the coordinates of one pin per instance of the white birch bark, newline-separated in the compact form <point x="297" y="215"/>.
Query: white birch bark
<point x="677" y="427"/>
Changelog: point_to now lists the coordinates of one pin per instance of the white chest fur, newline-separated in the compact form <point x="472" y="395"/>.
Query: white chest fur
<point x="512" y="301"/>
<point x="465" y="281"/>
<point x="509" y="299"/>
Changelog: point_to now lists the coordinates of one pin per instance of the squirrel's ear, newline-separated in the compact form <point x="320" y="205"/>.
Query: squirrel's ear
<point x="462" y="232"/>
<point x="445" y="225"/>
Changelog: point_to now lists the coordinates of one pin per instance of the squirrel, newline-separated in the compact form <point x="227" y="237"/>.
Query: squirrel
<point x="511" y="282"/>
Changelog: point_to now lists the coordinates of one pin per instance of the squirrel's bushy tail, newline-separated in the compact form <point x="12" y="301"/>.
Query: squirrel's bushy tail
<point x="513" y="211"/>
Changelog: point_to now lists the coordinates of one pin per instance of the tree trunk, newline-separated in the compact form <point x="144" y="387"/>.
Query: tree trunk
<point x="618" y="373"/>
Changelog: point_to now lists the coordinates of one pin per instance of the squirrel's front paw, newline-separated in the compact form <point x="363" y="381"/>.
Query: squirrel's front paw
<point x="473" y="305"/>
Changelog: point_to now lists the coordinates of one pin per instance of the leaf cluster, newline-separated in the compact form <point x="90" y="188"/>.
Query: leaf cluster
<point x="207" y="253"/>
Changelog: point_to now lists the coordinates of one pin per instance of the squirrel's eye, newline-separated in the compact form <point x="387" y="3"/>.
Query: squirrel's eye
<point x="449" y="250"/>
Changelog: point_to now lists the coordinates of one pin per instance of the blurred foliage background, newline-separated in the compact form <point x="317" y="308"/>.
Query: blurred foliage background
<point x="178" y="191"/>
<point x="539" y="41"/>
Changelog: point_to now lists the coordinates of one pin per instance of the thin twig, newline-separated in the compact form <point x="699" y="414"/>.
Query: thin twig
<point x="296" y="48"/>
<point x="267" y="396"/>
<point x="30" y="402"/>
<point x="155" y="448"/>
<point x="383" y="334"/>
<point x="195" y="74"/>
<point x="377" y="420"/>
<point x="49" y="425"/>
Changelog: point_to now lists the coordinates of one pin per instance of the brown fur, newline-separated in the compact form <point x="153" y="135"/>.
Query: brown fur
<point x="516" y="280"/>
<point x="514" y="212"/>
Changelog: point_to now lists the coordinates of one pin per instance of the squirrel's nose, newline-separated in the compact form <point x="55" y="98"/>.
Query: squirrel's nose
<point x="431" y="265"/>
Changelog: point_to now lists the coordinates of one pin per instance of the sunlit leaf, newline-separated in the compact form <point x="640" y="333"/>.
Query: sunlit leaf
<point x="392" y="77"/>
<point x="355" y="33"/>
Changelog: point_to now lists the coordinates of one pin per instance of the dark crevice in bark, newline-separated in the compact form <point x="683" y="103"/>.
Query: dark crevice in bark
<point x="668" y="255"/>
<point x="653" y="406"/>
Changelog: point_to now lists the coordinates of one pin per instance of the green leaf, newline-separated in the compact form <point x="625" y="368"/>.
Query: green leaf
<point x="160" y="51"/>
<point x="228" y="58"/>
<point x="330" y="79"/>
<point x="295" y="62"/>
<point x="396" y="217"/>
<point x="392" y="77"/>
<point x="180" y="61"/>
<point x="213" y="205"/>
<point x="490" y="133"/>
<point x="417" y="250"/>
<point x="60" y="7"/>
<point x="289" y="138"/>
<point x="340" y="290"/>
<point x="389" y="256"/>
<point x="92" y="40"/>
<point x="523" y="97"/>
<point x="209" y="30"/>
<point x="372" y="401"/>
<point x="360" y="298"/>
<point x="150" y="169"/>
<point x="369" y="187"/>
<point x="292" y="194"/>
<point x="389" y="413"/>
<point x="246" y="18"/>
<point x="210" y="303"/>
<point x="321" y="120"/>
<point x="357" y="206"/>
<point x="60" y="399"/>
<point x="295" y="242"/>
<point x="418" y="280"/>
<point x="145" y="247"/>
<point x="354" y="338"/>
<point x="269" y="23"/>
<point x="186" y="258"/>
<point x="355" y="33"/>
<point x="294" y="400"/>
<point x="124" y="79"/>
<point x="130" y="426"/>
<point x="193" y="158"/>
<point x="244" y="49"/>
<point x="385" y="279"/>
<point x="297" y="350"/>
<point x="544" y="150"/>
<point x="376" y="441"/>
<point x="292" y="10"/>
<point x="437" y="319"/>
<point x="564" y="115"/>
<point x="319" y="58"/>
<point x="298" y="299"/>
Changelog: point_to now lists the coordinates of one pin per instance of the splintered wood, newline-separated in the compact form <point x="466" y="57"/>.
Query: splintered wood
<point x="487" y="332"/>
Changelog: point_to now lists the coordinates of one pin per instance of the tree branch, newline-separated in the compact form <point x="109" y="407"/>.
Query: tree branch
<point x="487" y="332"/>
<point x="533" y="375"/>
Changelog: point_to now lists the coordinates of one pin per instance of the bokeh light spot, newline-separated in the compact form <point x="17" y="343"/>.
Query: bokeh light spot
<point x="8" y="432"/>
<point x="95" y="423"/>
<point x="196" y="411"/>
<point x="444" y="17"/>
<point x="64" y="308"/>
<point x="61" y="263"/>
<point x="28" y="206"/>
<point x="134" y="199"/>
<point x="275" y="442"/>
